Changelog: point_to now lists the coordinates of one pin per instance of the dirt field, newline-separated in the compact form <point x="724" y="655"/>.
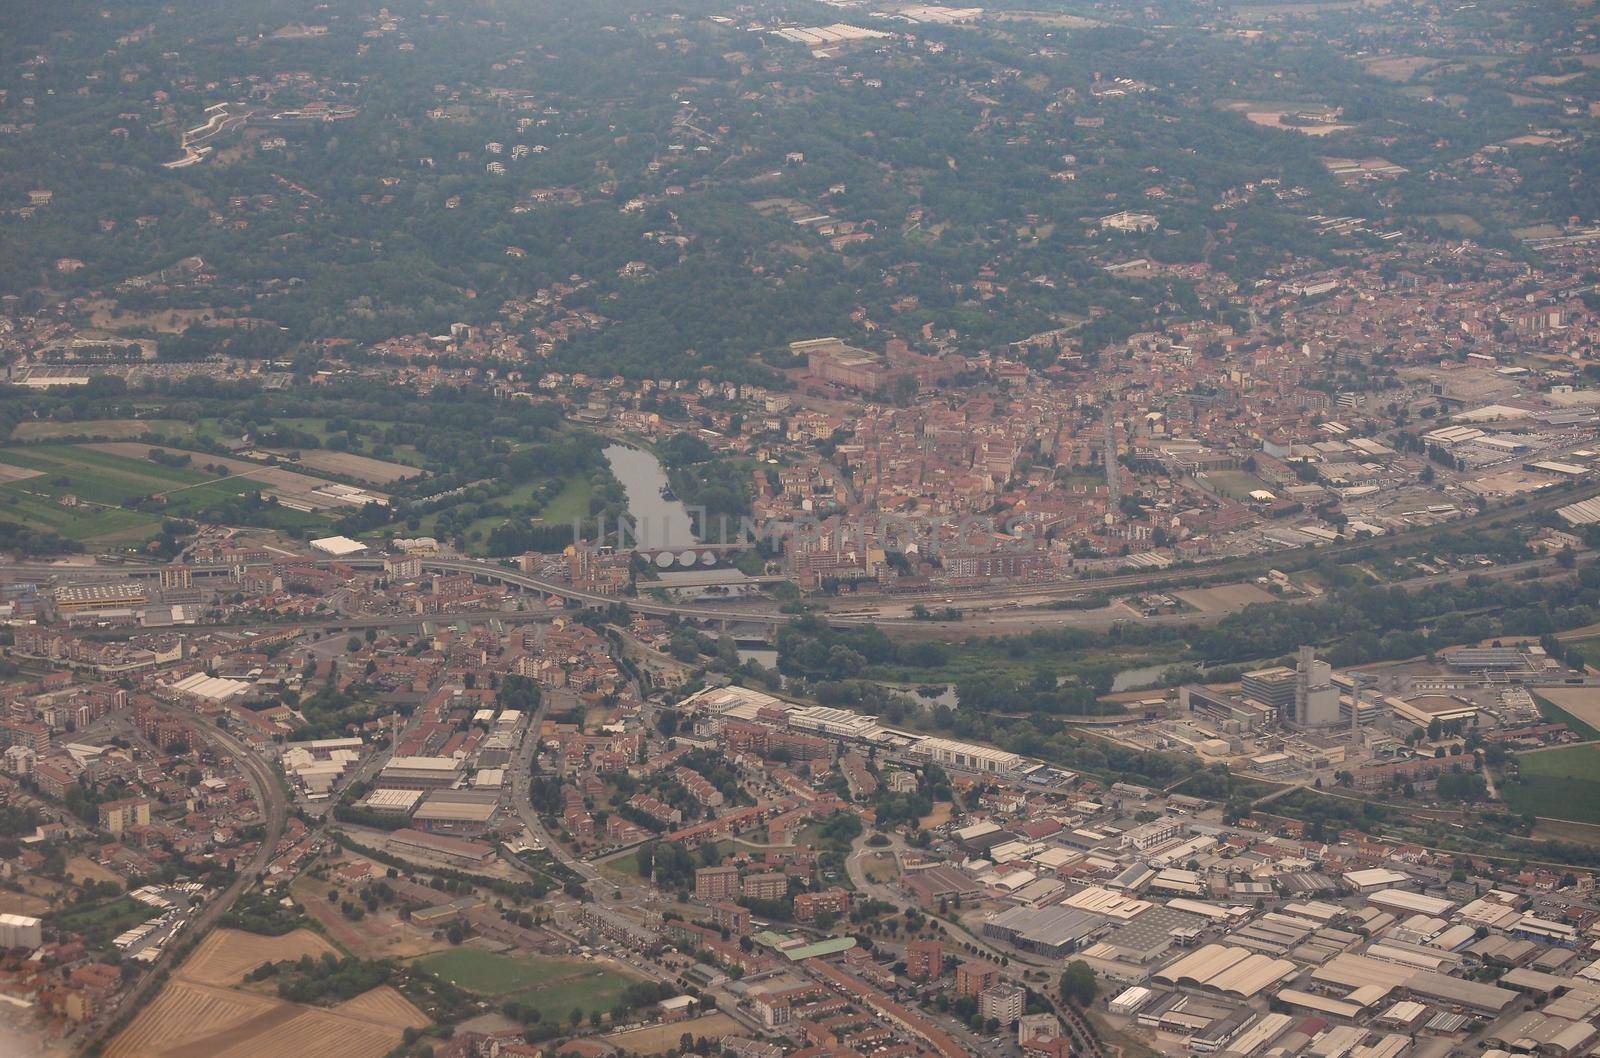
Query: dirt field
<point x="384" y="1004"/>
<point x="361" y="468"/>
<point x="942" y="813"/>
<point x="378" y="936"/>
<point x="189" y="1020"/>
<point x="227" y="955"/>
<point x="195" y="1017"/>
<point x="24" y="904"/>
<point x="9" y="473"/>
<point x="88" y="870"/>
<point x="110" y="429"/>
<point x="104" y="315"/>
<point x="1398" y="67"/>
<point x="1273" y="119"/>
<point x="299" y="489"/>
<point x="1224" y="597"/>
<point x="1581" y="702"/>
<point x="655" y="1039"/>
<point x="880" y="867"/>
<point x="1047" y="18"/>
<point x="1509" y="483"/>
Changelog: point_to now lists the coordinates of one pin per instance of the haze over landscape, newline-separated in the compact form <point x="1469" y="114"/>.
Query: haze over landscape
<point x="800" y="529"/>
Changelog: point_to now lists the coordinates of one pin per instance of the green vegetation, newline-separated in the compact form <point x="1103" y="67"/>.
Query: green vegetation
<point x="496" y="477"/>
<point x="84" y="494"/>
<point x="1559" y="783"/>
<point x="258" y="911"/>
<point x="101" y="922"/>
<point x="327" y="981"/>
<point x="715" y="279"/>
<point x="1078" y="985"/>
<point x="553" y="987"/>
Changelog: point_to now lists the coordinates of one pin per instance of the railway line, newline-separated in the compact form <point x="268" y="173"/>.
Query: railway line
<point x="875" y="609"/>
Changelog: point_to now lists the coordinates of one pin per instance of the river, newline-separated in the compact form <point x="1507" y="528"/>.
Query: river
<point x="659" y="522"/>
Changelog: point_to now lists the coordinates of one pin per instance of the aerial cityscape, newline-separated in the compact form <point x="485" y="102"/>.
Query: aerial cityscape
<point x="800" y="529"/>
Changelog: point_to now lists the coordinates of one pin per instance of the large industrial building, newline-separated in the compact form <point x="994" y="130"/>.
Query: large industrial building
<point x="1053" y="932"/>
<point x="420" y="773"/>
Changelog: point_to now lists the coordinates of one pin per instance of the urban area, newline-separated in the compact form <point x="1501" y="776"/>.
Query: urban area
<point x="800" y="529"/>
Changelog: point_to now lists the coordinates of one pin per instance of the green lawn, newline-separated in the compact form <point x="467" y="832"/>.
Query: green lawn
<point x="571" y="502"/>
<point x="102" y="922"/>
<point x="554" y="986"/>
<point x="1558" y="783"/>
<point x="101" y="482"/>
<point x="983" y="659"/>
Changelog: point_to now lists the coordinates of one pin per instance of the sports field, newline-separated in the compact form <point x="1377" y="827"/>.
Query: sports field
<point x="657" y="1039"/>
<point x="554" y="986"/>
<point x="1559" y="783"/>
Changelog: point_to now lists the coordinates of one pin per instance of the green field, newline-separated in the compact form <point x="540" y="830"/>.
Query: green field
<point x="554" y="986"/>
<point x="101" y="482"/>
<point x="104" y="921"/>
<point x="1558" y="783"/>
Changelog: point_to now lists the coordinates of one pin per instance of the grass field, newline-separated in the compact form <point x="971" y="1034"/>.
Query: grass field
<point x="1559" y="783"/>
<point x="555" y="987"/>
<point x="1235" y="484"/>
<point x="106" y="429"/>
<point x="571" y="502"/>
<point x="104" y="921"/>
<point x="100" y="482"/>
<point x="984" y="658"/>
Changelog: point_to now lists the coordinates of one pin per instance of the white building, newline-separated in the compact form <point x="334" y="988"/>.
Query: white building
<point x="965" y="756"/>
<point x="20" y="931"/>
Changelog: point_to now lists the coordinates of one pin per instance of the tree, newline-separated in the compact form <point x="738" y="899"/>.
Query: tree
<point x="1078" y="985"/>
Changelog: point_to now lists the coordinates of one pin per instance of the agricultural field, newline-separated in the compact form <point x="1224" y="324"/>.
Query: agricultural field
<point x="196" y="1014"/>
<point x="303" y="490"/>
<point x="9" y="473"/>
<point x="78" y="491"/>
<point x="1561" y="783"/>
<point x="1224" y="597"/>
<point x="225" y="956"/>
<point x="359" y="468"/>
<point x="1577" y="707"/>
<point x="102" y="429"/>
<point x="555" y="986"/>
<point x="657" y="1039"/>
